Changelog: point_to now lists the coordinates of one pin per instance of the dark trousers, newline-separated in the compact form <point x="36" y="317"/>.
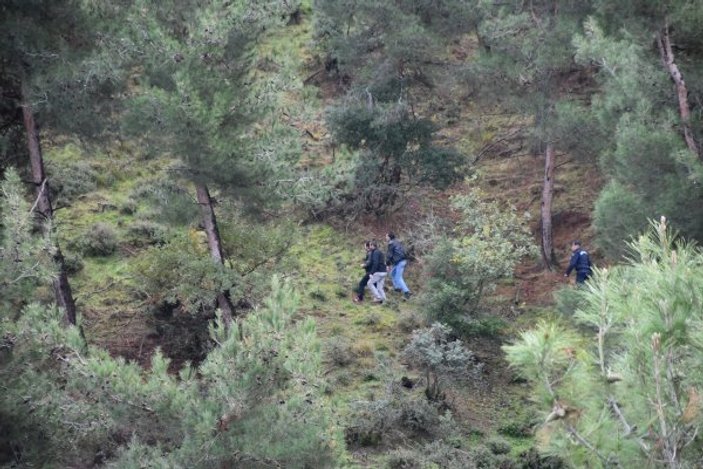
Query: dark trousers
<point x="581" y="277"/>
<point x="362" y="285"/>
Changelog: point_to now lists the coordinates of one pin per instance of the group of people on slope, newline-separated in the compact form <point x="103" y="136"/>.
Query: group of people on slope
<point x="377" y="267"/>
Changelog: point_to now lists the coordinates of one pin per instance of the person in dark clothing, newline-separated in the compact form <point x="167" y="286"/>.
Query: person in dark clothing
<point x="396" y="262"/>
<point x="580" y="261"/>
<point x="377" y="270"/>
<point x="366" y="265"/>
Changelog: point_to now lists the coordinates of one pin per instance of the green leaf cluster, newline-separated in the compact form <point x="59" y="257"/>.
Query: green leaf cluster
<point x="488" y="243"/>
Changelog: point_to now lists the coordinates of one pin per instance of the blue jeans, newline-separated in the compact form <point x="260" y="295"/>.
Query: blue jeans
<point x="397" y="276"/>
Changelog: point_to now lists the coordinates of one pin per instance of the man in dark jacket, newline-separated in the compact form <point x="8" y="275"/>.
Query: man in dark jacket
<point x="377" y="269"/>
<point x="580" y="261"/>
<point x="366" y="265"/>
<point x="396" y="261"/>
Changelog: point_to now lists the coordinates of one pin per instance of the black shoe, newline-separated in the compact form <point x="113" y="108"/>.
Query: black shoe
<point x="407" y="295"/>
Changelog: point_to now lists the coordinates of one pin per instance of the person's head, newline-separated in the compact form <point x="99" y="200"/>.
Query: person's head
<point x="575" y="245"/>
<point x="373" y="245"/>
<point x="390" y="235"/>
<point x="367" y="245"/>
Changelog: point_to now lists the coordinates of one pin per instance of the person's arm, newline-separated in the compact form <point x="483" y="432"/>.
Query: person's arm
<point x="390" y="253"/>
<point x="376" y="262"/>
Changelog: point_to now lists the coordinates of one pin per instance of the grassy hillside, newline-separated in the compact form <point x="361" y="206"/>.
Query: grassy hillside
<point x="110" y="217"/>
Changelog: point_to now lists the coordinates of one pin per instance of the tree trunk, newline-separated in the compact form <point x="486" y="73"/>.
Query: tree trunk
<point x="546" y="208"/>
<point x="667" y="56"/>
<point x="62" y="289"/>
<point x="215" y="244"/>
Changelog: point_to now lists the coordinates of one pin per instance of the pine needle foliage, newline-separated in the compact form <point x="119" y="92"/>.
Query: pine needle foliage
<point x="25" y="259"/>
<point x="254" y="402"/>
<point x="630" y="394"/>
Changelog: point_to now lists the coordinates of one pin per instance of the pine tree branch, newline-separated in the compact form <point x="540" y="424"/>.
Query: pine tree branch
<point x="39" y="195"/>
<point x="628" y="428"/>
<point x="585" y="443"/>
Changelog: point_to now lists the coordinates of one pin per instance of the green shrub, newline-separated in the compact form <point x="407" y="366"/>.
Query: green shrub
<point x="340" y="352"/>
<point x="397" y="415"/>
<point x="180" y="272"/>
<point x="73" y="262"/>
<point x="440" y="358"/>
<point x="482" y="326"/>
<point x="498" y="445"/>
<point x="142" y="233"/>
<point x="99" y="240"/>
<point x="568" y="300"/>
<point x="128" y="207"/>
<point x="255" y="397"/>
<point x="489" y="242"/>
<point x="71" y="179"/>
<point x="438" y="454"/>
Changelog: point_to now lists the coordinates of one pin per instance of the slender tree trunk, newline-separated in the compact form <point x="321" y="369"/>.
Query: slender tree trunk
<point x="546" y="208"/>
<point x="62" y="289"/>
<point x="215" y="244"/>
<point x="667" y="57"/>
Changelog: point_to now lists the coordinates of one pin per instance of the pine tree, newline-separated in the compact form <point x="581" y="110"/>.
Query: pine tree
<point x="52" y="74"/>
<point x="196" y="98"/>
<point x="526" y="54"/>
<point x="386" y="51"/>
<point x="646" y="146"/>
<point x="631" y="394"/>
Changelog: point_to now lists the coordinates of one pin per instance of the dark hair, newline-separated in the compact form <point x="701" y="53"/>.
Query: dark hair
<point x="391" y="235"/>
<point x="367" y="242"/>
<point x="576" y="242"/>
<point x="373" y="243"/>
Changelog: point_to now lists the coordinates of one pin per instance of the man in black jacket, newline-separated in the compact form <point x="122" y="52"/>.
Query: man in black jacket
<point x="581" y="262"/>
<point x="377" y="269"/>
<point x="366" y="265"/>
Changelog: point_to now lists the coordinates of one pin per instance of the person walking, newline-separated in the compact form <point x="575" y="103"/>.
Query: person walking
<point x="581" y="262"/>
<point x="377" y="271"/>
<point x="366" y="265"/>
<point x="396" y="261"/>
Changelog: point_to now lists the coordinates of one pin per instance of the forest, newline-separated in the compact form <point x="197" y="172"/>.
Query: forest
<point x="405" y="234"/>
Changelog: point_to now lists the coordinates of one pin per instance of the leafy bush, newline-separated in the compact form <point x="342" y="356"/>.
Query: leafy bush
<point x="128" y="207"/>
<point x="498" y="445"/>
<point x="71" y="179"/>
<point x="99" y="240"/>
<point x="393" y="144"/>
<point x="489" y="242"/>
<point x="25" y="259"/>
<point x="340" y="352"/>
<point x="142" y="233"/>
<point x="439" y="454"/>
<point x="397" y="415"/>
<point x="170" y="201"/>
<point x="568" y="300"/>
<point x="73" y="262"/>
<point x="440" y="358"/>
